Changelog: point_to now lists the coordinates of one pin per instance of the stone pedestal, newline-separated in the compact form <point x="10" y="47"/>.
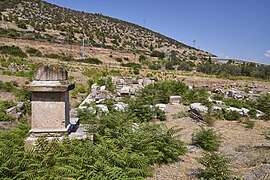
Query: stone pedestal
<point x="50" y="101"/>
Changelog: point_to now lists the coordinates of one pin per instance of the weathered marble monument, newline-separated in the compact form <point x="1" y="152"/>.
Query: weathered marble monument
<point x="50" y="101"/>
<point x="50" y="104"/>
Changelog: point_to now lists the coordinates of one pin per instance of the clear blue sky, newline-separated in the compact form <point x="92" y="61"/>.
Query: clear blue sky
<point x="233" y="28"/>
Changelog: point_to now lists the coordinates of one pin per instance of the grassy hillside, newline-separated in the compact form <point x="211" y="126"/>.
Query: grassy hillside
<point x="39" y="20"/>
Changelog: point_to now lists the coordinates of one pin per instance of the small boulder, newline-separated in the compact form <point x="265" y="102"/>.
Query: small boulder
<point x="175" y="99"/>
<point x="102" y="88"/>
<point x="162" y="107"/>
<point x="198" y="108"/>
<point x="245" y="111"/>
<point x="12" y="111"/>
<point x="95" y="88"/>
<point x="216" y="108"/>
<point x="103" y="108"/>
<point x="120" y="106"/>
<point x="235" y="109"/>
<point x="259" y="114"/>
<point x="125" y="90"/>
<point x="20" y="105"/>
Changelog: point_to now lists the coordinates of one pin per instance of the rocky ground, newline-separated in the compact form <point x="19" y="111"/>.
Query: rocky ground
<point x="248" y="149"/>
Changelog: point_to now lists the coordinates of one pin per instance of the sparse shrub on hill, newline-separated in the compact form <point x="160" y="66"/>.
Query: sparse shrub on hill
<point x="93" y="61"/>
<point x="132" y="65"/>
<point x="119" y="59"/>
<point x="169" y="66"/>
<point x="54" y="56"/>
<point x="248" y="69"/>
<point x="185" y="66"/>
<point x="207" y="139"/>
<point x="12" y="50"/>
<point x="34" y="52"/>
<point x="160" y="55"/>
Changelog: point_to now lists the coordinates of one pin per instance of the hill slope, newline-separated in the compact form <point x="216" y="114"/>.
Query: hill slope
<point x="39" y="20"/>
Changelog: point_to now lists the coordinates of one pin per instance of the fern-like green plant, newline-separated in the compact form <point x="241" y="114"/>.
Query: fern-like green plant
<point x="207" y="139"/>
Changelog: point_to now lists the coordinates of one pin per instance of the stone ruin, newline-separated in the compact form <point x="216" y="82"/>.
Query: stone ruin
<point x="50" y="105"/>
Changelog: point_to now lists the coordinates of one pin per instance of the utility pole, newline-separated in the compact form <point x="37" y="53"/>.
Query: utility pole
<point x="144" y="22"/>
<point x="194" y="43"/>
<point x="83" y="41"/>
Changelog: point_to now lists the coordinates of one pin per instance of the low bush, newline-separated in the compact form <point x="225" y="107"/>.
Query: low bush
<point x="93" y="61"/>
<point x="5" y="117"/>
<point x="249" y="124"/>
<point x="119" y="59"/>
<point x="12" y="50"/>
<point x="7" y="86"/>
<point x="34" y="52"/>
<point x="207" y="139"/>
<point x="53" y="56"/>
<point x="132" y="65"/>
<point x="216" y="166"/>
<point x="120" y="150"/>
<point x="232" y="116"/>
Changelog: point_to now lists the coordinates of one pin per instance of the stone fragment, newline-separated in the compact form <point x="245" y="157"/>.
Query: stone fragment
<point x="95" y="88"/>
<point x="12" y="111"/>
<point x="120" y="106"/>
<point x="102" y="88"/>
<point x="235" y="109"/>
<point x="198" y="108"/>
<point x="125" y="90"/>
<point x="216" y="108"/>
<point x="161" y="107"/>
<point x="245" y="111"/>
<point x="103" y="108"/>
<point x="259" y="114"/>
<point x="175" y="99"/>
<point x="20" y="105"/>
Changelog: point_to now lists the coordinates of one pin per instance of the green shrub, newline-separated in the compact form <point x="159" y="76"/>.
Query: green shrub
<point x="7" y="86"/>
<point x="5" y="117"/>
<point x="158" y="54"/>
<point x="249" y="124"/>
<point x="120" y="151"/>
<point x="132" y="65"/>
<point x="142" y="58"/>
<point x="180" y="115"/>
<point x="23" y="94"/>
<point x="232" y="116"/>
<point x="53" y="56"/>
<point x="119" y="59"/>
<point x="263" y="104"/>
<point x="154" y="66"/>
<point x="12" y="50"/>
<point x="93" y="61"/>
<point x="81" y="89"/>
<point x="136" y="71"/>
<point x="215" y="166"/>
<point x="267" y="134"/>
<point x="5" y="105"/>
<point x="195" y="95"/>
<point x="161" y="91"/>
<point x="207" y="139"/>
